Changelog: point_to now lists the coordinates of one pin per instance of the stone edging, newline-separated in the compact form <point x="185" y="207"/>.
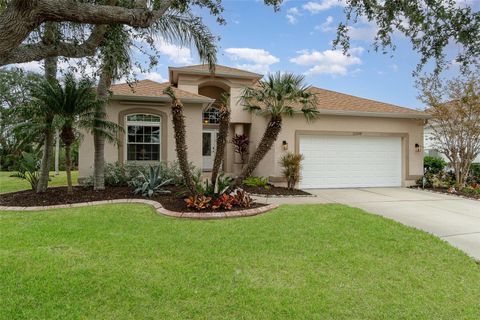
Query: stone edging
<point x="158" y="208"/>
<point x="259" y="195"/>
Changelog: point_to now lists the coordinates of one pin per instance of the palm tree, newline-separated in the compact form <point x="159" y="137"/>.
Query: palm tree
<point x="281" y="94"/>
<point x="178" y="120"/>
<point x="224" y="123"/>
<point x="75" y="106"/>
<point x="174" y="26"/>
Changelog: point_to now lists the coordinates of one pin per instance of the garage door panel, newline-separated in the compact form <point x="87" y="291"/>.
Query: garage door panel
<point x="350" y="161"/>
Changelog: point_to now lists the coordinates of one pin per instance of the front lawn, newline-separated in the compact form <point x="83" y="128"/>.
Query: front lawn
<point x="10" y="184"/>
<point x="297" y="262"/>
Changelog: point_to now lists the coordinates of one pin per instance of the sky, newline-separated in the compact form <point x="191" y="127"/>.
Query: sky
<point x="298" y="39"/>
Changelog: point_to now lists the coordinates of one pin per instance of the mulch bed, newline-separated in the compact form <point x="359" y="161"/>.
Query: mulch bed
<point x="458" y="193"/>
<point x="276" y="191"/>
<point x="58" y="195"/>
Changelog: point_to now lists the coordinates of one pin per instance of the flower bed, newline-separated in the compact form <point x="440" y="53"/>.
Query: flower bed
<point x="469" y="195"/>
<point x="173" y="201"/>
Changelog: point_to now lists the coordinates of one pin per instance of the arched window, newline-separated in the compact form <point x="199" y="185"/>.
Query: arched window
<point x="211" y="115"/>
<point x="143" y="137"/>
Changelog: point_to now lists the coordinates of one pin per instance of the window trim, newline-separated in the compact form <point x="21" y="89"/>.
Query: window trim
<point x="122" y="148"/>
<point x="143" y="123"/>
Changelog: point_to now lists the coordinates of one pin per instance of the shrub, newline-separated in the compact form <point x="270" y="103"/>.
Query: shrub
<point x="198" y="202"/>
<point x="242" y="198"/>
<point x="151" y="183"/>
<point x="471" y="190"/>
<point x="28" y="166"/>
<point x="291" y="164"/>
<point x="434" y="165"/>
<point x="240" y="145"/>
<point x="206" y="188"/>
<point x="225" y="201"/>
<point x="119" y="174"/>
<point x="474" y="176"/>
<point x="261" y="182"/>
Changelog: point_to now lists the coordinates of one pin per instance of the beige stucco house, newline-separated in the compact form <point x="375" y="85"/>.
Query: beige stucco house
<point x="356" y="142"/>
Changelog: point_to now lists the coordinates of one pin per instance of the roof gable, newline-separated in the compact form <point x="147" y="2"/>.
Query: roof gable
<point x="221" y="71"/>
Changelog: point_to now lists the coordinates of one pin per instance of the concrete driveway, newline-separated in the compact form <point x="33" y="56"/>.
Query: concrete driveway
<point x="451" y="218"/>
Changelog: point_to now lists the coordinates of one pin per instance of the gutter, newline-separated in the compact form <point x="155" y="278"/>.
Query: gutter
<point x="160" y="99"/>
<point x="375" y="114"/>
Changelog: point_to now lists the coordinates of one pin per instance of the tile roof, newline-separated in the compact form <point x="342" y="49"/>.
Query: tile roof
<point x="220" y="70"/>
<point x="149" y="88"/>
<point x="336" y="101"/>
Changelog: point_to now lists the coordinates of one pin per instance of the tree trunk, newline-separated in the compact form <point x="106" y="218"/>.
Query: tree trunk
<point x="49" y="36"/>
<point x="46" y="156"/>
<point x="269" y="137"/>
<point x="104" y="84"/>
<point x="178" y="120"/>
<point x="57" y="153"/>
<point x="68" y="167"/>
<point x="221" y="142"/>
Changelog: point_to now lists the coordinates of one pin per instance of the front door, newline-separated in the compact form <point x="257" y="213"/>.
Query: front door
<point x="209" y="144"/>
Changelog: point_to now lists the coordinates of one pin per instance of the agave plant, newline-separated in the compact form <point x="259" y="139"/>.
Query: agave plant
<point x="150" y="183"/>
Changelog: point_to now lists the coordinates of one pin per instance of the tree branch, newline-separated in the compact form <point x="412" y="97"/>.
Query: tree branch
<point x="21" y="17"/>
<point x="41" y="50"/>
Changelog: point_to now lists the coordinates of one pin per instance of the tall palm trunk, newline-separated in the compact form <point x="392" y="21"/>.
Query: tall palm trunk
<point x="49" y="36"/>
<point x="68" y="137"/>
<point x="178" y="120"/>
<point x="269" y="137"/>
<point x="104" y="84"/>
<point x="68" y="167"/>
<point x="221" y="141"/>
<point x="46" y="156"/>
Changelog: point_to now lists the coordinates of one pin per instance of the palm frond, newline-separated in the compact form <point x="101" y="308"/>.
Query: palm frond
<point x="184" y="28"/>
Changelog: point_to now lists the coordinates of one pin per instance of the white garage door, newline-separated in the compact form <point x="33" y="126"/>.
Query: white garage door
<point x="350" y="161"/>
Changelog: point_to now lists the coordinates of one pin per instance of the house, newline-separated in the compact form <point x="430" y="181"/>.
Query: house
<point x="356" y="142"/>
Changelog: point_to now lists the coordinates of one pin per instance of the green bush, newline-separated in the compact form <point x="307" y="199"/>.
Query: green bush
<point x="434" y="165"/>
<point x="261" y="182"/>
<point x="471" y="190"/>
<point x="121" y="174"/>
<point x="474" y="175"/>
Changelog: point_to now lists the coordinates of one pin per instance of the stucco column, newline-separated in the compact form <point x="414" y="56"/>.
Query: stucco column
<point x="238" y="128"/>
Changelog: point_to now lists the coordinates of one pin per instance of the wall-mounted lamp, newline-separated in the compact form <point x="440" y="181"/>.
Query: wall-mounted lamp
<point x="418" y="148"/>
<point x="285" y="145"/>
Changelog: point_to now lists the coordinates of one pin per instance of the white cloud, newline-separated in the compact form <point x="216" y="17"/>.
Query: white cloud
<point x="176" y="54"/>
<point x="316" y="7"/>
<point x="332" y="62"/>
<point x="292" y="15"/>
<point x="326" y="26"/>
<point x="394" y="67"/>
<point x="258" y="60"/>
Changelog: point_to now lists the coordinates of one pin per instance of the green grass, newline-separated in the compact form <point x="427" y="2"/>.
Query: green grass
<point x="10" y="184"/>
<point x="297" y="262"/>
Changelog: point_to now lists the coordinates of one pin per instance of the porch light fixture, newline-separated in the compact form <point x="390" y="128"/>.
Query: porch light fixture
<point x="418" y="148"/>
<point x="285" y="145"/>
